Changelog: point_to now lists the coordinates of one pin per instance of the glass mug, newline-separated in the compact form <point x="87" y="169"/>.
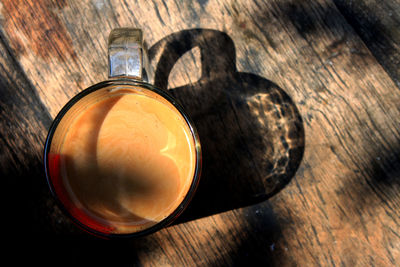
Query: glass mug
<point x="122" y="158"/>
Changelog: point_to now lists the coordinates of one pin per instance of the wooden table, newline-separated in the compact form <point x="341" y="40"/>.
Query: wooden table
<point x="296" y="103"/>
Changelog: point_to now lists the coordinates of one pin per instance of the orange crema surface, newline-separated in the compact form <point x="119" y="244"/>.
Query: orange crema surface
<point x="127" y="160"/>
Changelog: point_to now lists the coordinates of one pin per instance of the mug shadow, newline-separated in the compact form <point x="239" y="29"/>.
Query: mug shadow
<point x="251" y="133"/>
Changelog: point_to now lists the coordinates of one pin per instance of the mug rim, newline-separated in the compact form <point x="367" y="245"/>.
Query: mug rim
<point x="196" y="176"/>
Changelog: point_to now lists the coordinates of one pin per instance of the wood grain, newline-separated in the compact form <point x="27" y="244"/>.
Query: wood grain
<point x="341" y="207"/>
<point x="377" y="25"/>
<point x="30" y="211"/>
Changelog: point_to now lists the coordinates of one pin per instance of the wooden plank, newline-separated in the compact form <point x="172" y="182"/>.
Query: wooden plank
<point x="29" y="212"/>
<point x="341" y="208"/>
<point x="377" y="23"/>
<point x="24" y="120"/>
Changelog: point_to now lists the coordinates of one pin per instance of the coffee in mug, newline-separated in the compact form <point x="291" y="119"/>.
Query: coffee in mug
<point x="122" y="158"/>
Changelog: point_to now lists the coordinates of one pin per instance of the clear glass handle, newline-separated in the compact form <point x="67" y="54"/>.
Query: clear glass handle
<point x="127" y="55"/>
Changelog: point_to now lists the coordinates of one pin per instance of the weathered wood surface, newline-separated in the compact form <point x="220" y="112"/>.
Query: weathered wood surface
<point x="309" y="72"/>
<point x="377" y="23"/>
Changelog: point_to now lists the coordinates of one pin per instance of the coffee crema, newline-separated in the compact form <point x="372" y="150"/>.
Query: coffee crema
<point x="122" y="159"/>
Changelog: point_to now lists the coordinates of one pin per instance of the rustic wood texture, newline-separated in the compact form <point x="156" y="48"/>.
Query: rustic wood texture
<point x="377" y="23"/>
<point x="296" y="100"/>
